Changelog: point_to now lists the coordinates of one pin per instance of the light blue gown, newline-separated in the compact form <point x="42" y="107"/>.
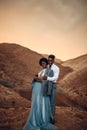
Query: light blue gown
<point x="39" y="116"/>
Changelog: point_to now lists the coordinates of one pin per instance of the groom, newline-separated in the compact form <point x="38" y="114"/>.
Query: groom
<point x="53" y="79"/>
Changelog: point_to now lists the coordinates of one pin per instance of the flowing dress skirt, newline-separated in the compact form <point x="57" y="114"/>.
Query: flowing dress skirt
<point x="40" y="113"/>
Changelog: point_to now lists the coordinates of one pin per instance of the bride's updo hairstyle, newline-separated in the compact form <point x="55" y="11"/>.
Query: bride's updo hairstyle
<point x="43" y="60"/>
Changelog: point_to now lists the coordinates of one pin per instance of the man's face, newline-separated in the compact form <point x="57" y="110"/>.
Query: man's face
<point x="50" y="61"/>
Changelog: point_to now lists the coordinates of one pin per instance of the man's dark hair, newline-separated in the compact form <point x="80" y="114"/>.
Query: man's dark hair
<point x="43" y="60"/>
<point x="51" y="56"/>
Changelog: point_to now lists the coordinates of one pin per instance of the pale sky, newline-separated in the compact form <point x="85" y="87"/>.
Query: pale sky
<point x="46" y="26"/>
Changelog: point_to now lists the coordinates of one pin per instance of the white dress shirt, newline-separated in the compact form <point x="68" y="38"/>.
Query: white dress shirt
<point x="56" y="71"/>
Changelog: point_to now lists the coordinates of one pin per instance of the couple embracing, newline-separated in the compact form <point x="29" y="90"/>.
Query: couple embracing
<point x="42" y="113"/>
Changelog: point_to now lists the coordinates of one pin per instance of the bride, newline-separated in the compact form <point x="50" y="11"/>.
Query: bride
<point x="40" y="113"/>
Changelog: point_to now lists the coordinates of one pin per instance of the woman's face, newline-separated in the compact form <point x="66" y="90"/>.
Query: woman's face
<point x="44" y="64"/>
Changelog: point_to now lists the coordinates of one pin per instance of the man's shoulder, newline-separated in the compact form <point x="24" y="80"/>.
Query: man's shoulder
<point x="56" y="67"/>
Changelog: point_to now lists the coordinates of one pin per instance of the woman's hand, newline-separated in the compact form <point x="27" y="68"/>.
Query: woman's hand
<point x="39" y="79"/>
<point x="35" y="78"/>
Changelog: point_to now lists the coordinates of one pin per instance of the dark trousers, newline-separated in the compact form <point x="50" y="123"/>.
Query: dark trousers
<point x="53" y="100"/>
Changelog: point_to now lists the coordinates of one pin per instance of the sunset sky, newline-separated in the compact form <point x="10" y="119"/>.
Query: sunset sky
<point x="46" y="26"/>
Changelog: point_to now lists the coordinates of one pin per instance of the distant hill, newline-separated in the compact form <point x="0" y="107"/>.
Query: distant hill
<point x="75" y="82"/>
<point x="18" y="64"/>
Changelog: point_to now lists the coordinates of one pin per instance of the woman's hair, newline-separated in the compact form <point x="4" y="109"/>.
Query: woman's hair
<point x="43" y="60"/>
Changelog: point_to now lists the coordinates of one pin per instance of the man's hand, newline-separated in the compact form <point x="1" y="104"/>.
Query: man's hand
<point x="44" y="77"/>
